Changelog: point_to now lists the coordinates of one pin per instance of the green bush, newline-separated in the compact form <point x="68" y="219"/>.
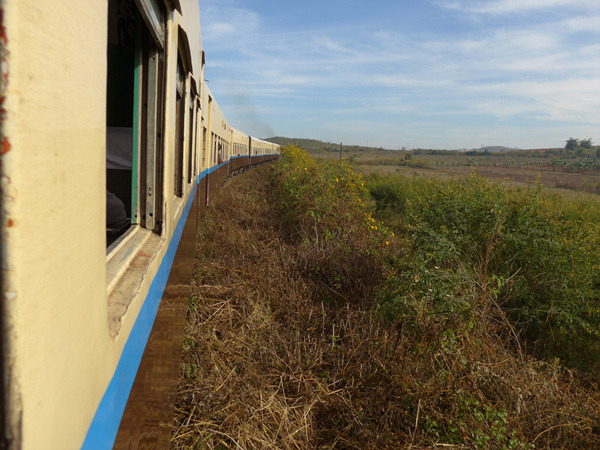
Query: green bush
<point x="323" y="207"/>
<point x="531" y="254"/>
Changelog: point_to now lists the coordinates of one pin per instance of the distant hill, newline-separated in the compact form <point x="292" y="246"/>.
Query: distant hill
<point x="309" y="145"/>
<point x="316" y="146"/>
<point x="497" y="148"/>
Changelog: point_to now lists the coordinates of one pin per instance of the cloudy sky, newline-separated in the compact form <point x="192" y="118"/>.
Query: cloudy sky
<point x="415" y="73"/>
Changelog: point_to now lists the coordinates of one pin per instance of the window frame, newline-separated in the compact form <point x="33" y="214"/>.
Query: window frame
<point x="147" y="121"/>
<point x="180" y="126"/>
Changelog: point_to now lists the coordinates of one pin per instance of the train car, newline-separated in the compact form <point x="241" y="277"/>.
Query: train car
<point x="112" y="145"/>
<point x="240" y="158"/>
<point x="263" y="151"/>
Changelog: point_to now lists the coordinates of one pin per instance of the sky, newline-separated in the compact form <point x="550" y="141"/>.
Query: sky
<point x="407" y="73"/>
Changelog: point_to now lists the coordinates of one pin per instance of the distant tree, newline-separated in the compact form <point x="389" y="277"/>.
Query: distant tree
<point x="586" y="143"/>
<point x="598" y="153"/>
<point x="572" y="144"/>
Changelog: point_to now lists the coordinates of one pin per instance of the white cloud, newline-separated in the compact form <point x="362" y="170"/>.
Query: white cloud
<point x="584" y="23"/>
<point x="223" y="23"/>
<point x="515" y="6"/>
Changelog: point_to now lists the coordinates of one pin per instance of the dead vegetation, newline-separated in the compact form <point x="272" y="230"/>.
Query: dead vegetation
<point x="276" y="357"/>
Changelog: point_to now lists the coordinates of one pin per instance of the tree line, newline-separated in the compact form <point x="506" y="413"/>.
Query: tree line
<point x="581" y="146"/>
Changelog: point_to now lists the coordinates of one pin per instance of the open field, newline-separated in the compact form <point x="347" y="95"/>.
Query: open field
<point x="515" y="169"/>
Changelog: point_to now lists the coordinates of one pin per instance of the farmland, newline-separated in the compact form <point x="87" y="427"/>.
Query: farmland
<point x="557" y="169"/>
<point x="515" y="168"/>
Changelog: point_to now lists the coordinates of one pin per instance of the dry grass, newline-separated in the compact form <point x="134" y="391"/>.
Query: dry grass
<point x="272" y="362"/>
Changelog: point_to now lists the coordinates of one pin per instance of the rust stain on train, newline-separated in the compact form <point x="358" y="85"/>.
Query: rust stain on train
<point x="5" y="146"/>
<point x="2" y="27"/>
<point x="3" y="69"/>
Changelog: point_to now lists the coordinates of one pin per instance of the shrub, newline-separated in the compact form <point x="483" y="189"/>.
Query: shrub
<point x="323" y="206"/>
<point x="539" y="254"/>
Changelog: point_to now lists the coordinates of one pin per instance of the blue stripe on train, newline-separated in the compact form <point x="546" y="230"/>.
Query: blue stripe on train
<point x="105" y="425"/>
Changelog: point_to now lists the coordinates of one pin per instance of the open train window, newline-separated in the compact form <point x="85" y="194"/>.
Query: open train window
<point x="196" y="121"/>
<point x="180" y="125"/>
<point x="190" y="159"/>
<point x="204" y="146"/>
<point x="134" y="115"/>
<point x="213" y="158"/>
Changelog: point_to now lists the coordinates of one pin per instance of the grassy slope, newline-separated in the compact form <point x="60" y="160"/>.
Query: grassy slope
<point x="283" y="349"/>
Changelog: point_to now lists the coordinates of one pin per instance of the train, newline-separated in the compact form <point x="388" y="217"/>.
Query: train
<point x="112" y="145"/>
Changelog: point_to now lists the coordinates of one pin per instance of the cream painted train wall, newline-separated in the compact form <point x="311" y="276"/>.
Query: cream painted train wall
<point x="77" y="309"/>
<point x="54" y="254"/>
<point x="65" y="329"/>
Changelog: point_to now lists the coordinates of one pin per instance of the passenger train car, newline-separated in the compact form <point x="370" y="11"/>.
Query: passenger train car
<point x="111" y="146"/>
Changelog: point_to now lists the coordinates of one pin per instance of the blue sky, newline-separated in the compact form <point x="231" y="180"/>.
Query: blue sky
<point x="414" y="73"/>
